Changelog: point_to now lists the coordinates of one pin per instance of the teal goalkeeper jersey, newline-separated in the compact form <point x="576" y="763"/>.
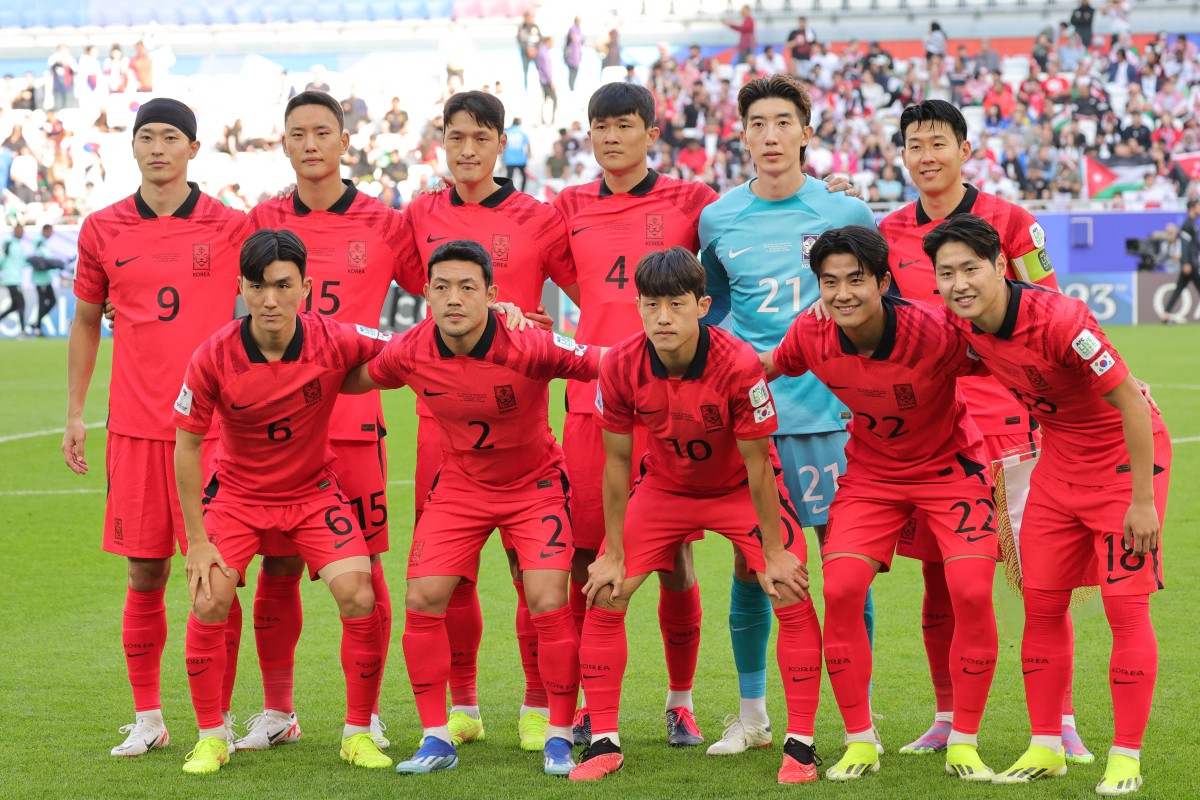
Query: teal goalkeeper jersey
<point x="755" y="252"/>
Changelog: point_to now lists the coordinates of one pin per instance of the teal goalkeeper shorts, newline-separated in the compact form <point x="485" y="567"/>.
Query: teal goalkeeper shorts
<point x="812" y="464"/>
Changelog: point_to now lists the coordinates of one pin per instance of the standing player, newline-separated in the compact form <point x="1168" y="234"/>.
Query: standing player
<point x="935" y="148"/>
<point x="271" y="379"/>
<point x="356" y="246"/>
<point x="1097" y="495"/>
<point x="612" y="223"/>
<point x="487" y="389"/>
<point x="528" y="245"/>
<point x="165" y="256"/>
<point x="913" y="449"/>
<point x="756" y="241"/>
<point x="702" y="396"/>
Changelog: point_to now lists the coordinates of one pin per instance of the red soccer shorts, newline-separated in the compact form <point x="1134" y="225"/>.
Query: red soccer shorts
<point x="870" y="516"/>
<point x="1071" y="534"/>
<point x="323" y="530"/>
<point x="658" y="521"/>
<point x="361" y="470"/>
<point x="459" y="517"/>
<point x="142" y="517"/>
<point x="917" y="541"/>
<point x="429" y="460"/>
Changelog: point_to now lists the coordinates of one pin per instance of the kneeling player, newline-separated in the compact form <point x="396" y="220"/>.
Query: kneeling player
<point x="1097" y="495"/>
<point x="913" y="449"/>
<point x="487" y="390"/>
<point x="271" y="380"/>
<point x="701" y="394"/>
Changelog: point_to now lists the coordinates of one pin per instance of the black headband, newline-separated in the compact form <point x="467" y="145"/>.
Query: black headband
<point x="172" y="112"/>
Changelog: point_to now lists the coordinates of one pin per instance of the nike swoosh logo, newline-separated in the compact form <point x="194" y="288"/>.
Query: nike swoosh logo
<point x="366" y="675"/>
<point x="904" y="264"/>
<point x="137" y="655"/>
<point x="236" y="407"/>
<point x="831" y="386"/>
<point x="121" y="263"/>
<point x="372" y="536"/>
<point x="748" y="627"/>
<point x="1035" y="669"/>
<point x="972" y="672"/>
<point x="680" y="644"/>
<point x="151" y="742"/>
<point x="577" y="231"/>
<point x="974" y="539"/>
<point x="544" y="554"/>
<point x="837" y="671"/>
<point x="428" y="393"/>
<point x="801" y="680"/>
<point x="430" y="238"/>
<point x="273" y="736"/>
<point x="590" y="677"/>
<point x="1124" y="682"/>
<point x="735" y="253"/>
<point x="651" y="411"/>
<point x="1111" y="580"/>
<point x="197" y="672"/>
<point x="263" y="627"/>
<point x="934" y="625"/>
<point x="342" y="543"/>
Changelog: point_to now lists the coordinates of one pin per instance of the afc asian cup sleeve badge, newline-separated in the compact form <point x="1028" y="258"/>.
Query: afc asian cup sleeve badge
<point x="759" y="394"/>
<point x="183" y="404"/>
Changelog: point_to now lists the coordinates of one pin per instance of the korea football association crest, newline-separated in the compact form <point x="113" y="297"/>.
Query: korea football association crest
<point x="356" y="257"/>
<point x="501" y="247"/>
<point x="201" y="261"/>
<point x="656" y="226"/>
<point x="312" y="392"/>
<point x="807" y="240"/>
<point x="506" y="398"/>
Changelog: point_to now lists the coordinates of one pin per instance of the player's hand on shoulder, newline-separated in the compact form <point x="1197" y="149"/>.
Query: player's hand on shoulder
<point x="514" y="320"/>
<point x="72" y="446"/>
<point x="819" y="311"/>
<point x="841" y="183"/>
<point x="1142" y="532"/>
<point x="540" y="318"/>
<point x="785" y="568"/>
<point x="606" y="570"/>
<point x="441" y="184"/>
<point x="286" y="192"/>
<point x="201" y="558"/>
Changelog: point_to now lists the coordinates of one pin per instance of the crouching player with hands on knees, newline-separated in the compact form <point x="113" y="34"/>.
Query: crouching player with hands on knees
<point x="913" y="449"/>
<point x="702" y="396"/>
<point x="487" y="390"/>
<point x="271" y="379"/>
<point x="1097" y="495"/>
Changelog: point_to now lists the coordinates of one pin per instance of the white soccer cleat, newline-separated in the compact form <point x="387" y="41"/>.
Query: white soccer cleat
<point x="740" y="737"/>
<point x="377" y="729"/>
<point x="269" y="728"/>
<point x="230" y="734"/>
<point x="144" y="735"/>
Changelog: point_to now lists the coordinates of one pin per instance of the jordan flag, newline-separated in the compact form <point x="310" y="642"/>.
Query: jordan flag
<point x="1104" y="177"/>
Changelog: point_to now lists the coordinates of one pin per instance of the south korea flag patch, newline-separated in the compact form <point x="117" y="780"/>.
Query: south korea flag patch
<point x="372" y="333"/>
<point x="1086" y="344"/>
<point x="183" y="404"/>
<point x="759" y="394"/>
<point x="1103" y="363"/>
<point x="763" y="413"/>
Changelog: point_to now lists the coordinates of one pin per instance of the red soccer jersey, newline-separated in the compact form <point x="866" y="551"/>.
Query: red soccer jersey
<point x="274" y="414"/>
<point x="525" y="237"/>
<point x="355" y="250"/>
<point x="173" y="281"/>
<point x="909" y="422"/>
<point x="1051" y="354"/>
<point x="695" y="421"/>
<point x="609" y="233"/>
<point x="1023" y="244"/>
<point x="492" y="404"/>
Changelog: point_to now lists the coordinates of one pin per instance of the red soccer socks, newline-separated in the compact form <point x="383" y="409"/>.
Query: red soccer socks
<point x="362" y="664"/>
<point x="798" y="651"/>
<point x="973" y="649"/>
<point x="204" y="654"/>
<point x="603" y="653"/>
<point x="679" y="615"/>
<point x="427" y="655"/>
<point x="278" y="619"/>
<point x="558" y="664"/>
<point x="464" y="630"/>
<point x="144" y="635"/>
<point x="847" y="649"/>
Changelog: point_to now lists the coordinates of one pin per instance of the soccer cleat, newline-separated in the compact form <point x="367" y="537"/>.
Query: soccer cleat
<point x="963" y="761"/>
<point x="557" y="755"/>
<point x="1076" y="751"/>
<point x="740" y="737"/>
<point x="434" y="755"/>
<point x="682" y="730"/>
<point x="269" y="728"/>
<point x="1036" y="762"/>
<point x="464" y="728"/>
<point x="531" y="729"/>
<point x="377" y="729"/>
<point x="860" y="758"/>
<point x="208" y="756"/>
<point x="361" y="751"/>
<point x="581" y="727"/>
<point x="931" y="741"/>
<point x="800" y="762"/>
<point x="144" y="735"/>
<point x="602" y="758"/>
<point x="1122" y="775"/>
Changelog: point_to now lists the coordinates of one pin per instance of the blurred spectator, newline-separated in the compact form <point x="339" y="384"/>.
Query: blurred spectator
<point x="1189" y="270"/>
<point x="935" y="41"/>
<point x="545" y="71"/>
<point x="354" y="109"/>
<point x="987" y="57"/>
<point x="63" y="70"/>
<point x="770" y="62"/>
<point x="516" y="154"/>
<point x="142" y="69"/>
<point x="396" y="118"/>
<point x="1081" y="21"/>
<point x="889" y="184"/>
<point x="747" y="42"/>
<point x="573" y="52"/>
<point x="529" y="36"/>
<point x="317" y="82"/>
<point x="455" y="47"/>
<point x="800" y="41"/>
<point x="1117" y="12"/>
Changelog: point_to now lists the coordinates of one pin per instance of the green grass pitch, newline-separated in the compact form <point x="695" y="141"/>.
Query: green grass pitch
<point x="63" y="690"/>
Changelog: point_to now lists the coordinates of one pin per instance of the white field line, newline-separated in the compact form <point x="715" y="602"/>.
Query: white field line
<point x="16" y="437"/>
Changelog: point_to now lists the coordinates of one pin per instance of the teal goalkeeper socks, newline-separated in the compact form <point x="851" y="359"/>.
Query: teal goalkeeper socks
<point x="749" y="630"/>
<point x="869" y="617"/>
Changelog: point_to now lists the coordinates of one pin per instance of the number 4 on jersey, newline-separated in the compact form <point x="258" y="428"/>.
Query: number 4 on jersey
<point x="617" y="273"/>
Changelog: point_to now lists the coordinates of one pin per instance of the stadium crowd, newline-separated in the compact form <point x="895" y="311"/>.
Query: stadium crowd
<point x="1033" y="118"/>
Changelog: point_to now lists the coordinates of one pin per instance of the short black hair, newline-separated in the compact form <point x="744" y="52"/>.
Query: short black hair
<point x="669" y="273"/>
<point x="928" y="112"/>
<point x="312" y="97"/>
<point x="973" y="231"/>
<point x="265" y="247"/>
<point x="867" y="245"/>
<point x="785" y="87"/>
<point x="619" y="99"/>
<point x="462" y="250"/>
<point x="486" y="109"/>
